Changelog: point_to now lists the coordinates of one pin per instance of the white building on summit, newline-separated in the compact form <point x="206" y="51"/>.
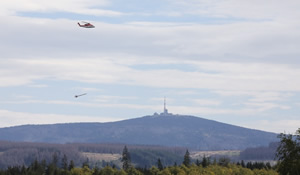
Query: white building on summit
<point x="165" y="111"/>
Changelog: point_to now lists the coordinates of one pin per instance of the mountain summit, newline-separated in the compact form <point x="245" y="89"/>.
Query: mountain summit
<point x="163" y="129"/>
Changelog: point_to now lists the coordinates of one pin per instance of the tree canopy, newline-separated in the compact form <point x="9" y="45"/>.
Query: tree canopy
<point x="288" y="154"/>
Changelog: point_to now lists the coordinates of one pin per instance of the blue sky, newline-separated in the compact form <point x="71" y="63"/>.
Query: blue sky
<point x="231" y="61"/>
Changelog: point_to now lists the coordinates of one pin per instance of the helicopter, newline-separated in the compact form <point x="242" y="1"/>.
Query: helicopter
<point x="86" y="25"/>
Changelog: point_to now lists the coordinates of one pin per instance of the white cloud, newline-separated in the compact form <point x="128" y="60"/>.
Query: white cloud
<point x="207" y="102"/>
<point x="11" y="118"/>
<point x="87" y="89"/>
<point x="270" y="96"/>
<point x="264" y="100"/>
<point x="117" y="104"/>
<point x="96" y="104"/>
<point x="86" y="7"/>
<point x="255" y="9"/>
<point x="239" y="77"/>
<point x="240" y="42"/>
<point x="38" y="85"/>
<point x="261" y="107"/>
<point x="113" y="99"/>
<point x="278" y="126"/>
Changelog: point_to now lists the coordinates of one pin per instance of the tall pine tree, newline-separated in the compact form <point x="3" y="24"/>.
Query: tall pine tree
<point x="126" y="159"/>
<point x="64" y="162"/>
<point x="205" y="161"/>
<point x="159" y="164"/>
<point x="187" y="159"/>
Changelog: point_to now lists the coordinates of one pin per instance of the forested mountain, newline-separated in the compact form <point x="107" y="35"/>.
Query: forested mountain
<point x="167" y="130"/>
<point x="260" y="153"/>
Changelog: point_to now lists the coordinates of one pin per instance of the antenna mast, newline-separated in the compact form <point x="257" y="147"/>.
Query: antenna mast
<point x="164" y="104"/>
<point x="165" y="108"/>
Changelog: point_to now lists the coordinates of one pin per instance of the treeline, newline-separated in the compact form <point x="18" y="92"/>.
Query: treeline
<point x="226" y="162"/>
<point x="148" y="157"/>
<point x="217" y="167"/>
<point x="22" y="153"/>
<point x="18" y="154"/>
<point x="85" y="147"/>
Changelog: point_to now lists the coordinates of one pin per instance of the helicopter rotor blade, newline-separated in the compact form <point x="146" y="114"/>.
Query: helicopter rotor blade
<point x="76" y="96"/>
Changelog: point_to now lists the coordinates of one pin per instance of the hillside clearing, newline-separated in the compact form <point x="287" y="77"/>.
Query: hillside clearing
<point x="101" y="156"/>
<point x="201" y="154"/>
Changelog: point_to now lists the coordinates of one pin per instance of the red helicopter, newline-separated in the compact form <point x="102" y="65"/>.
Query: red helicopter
<point x="86" y="25"/>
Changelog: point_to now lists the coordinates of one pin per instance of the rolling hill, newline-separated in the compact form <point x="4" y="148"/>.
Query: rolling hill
<point x="167" y="130"/>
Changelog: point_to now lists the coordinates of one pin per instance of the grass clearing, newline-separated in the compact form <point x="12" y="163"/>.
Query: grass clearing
<point x="101" y="156"/>
<point x="201" y="154"/>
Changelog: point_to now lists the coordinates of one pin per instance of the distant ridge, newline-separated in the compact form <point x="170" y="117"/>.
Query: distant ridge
<point x="163" y="129"/>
